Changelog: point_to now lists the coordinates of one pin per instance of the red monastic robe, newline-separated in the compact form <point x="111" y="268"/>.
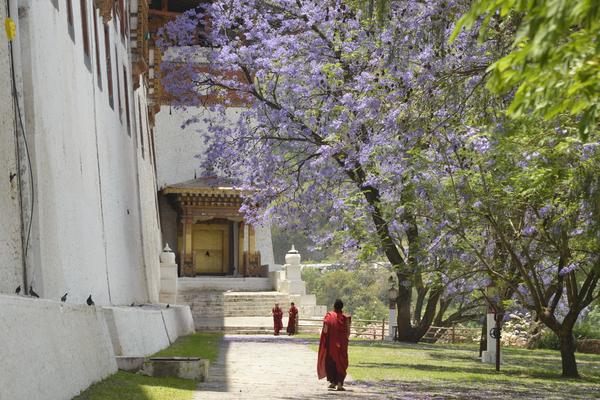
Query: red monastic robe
<point x="277" y="316"/>
<point x="334" y="344"/>
<point x="293" y="320"/>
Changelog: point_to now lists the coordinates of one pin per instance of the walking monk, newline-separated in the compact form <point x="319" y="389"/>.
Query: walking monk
<point x="277" y="316"/>
<point x="332" y="361"/>
<point x="292" y="326"/>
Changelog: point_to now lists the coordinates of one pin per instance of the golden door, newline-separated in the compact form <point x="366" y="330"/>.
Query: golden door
<point x="209" y="246"/>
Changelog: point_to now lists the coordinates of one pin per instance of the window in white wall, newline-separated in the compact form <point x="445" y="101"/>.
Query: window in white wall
<point x="97" y="49"/>
<point x="141" y="127"/>
<point x="122" y="17"/>
<point x="150" y="132"/>
<point x="70" y="19"/>
<point x="85" y="33"/>
<point x="126" y="91"/>
<point x="119" y="99"/>
<point x="109" y="75"/>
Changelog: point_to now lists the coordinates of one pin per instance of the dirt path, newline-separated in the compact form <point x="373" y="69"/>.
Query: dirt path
<point x="270" y="367"/>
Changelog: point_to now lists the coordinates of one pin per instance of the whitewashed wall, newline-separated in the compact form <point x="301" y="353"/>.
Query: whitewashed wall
<point x="51" y="350"/>
<point x="10" y="226"/>
<point x="264" y="244"/>
<point x="88" y="214"/>
<point x="176" y="148"/>
<point x="149" y="217"/>
<point x="144" y="331"/>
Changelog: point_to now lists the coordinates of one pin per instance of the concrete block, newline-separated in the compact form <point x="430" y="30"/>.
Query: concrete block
<point x="181" y="367"/>
<point x="130" y="363"/>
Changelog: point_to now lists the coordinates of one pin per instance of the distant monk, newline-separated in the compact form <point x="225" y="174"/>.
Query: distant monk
<point x="292" y="320"/>
<point x="277" y="316"/>
<point x="332" y="361"/>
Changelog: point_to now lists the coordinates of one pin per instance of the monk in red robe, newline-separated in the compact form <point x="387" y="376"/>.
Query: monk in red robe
<point x="292" y="326"/>
<point x="277" y="316"/>
<point x="332" y="360"/>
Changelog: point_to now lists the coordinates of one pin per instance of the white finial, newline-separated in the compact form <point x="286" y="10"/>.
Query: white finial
<point x="293" y="250"/>
<point x="167" y="249"/>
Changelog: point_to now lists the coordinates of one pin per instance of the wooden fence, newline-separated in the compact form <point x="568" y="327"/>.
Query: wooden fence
<point x="451" y="334"/>
<point x="360" y="328"/>
<point x="380" y="330"/>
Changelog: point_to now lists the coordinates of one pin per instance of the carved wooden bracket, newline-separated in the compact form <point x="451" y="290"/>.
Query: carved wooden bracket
<point x="105" y="7"/>
<point x="139" y="67"/>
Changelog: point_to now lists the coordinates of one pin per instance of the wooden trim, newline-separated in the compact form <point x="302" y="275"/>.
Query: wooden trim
<point x="163" y="13"/>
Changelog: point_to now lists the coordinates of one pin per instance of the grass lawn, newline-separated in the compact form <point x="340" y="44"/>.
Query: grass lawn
<point x="202" y="345"/>
<point x="456" y="372"/>
<point x="129" y="386"/>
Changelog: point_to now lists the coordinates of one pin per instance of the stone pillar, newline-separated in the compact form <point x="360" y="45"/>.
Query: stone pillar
<point x="295" y="285"/>
<point x="489" y="355"/>
<point x="289" y="281"/>
<point x="246" y="238"/>
<point x="168" y="276"/>
<point x="236" y="248"/>
<point x="187" y="267"/>
<point x="393" y="322"/>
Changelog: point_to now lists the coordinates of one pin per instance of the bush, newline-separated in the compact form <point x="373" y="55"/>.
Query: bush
<point x="581" y="331"/>
<point x="548" y="341"/>
<point x="586" y="330"/>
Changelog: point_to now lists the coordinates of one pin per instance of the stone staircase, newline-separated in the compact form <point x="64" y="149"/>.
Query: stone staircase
<point x="241" y="312"/>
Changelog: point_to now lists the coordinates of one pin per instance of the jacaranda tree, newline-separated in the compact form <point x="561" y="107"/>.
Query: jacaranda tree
<point x="339" y="114"/>
<point x="527" y="205"/>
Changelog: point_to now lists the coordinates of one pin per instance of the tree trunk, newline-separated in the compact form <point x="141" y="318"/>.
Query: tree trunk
<point x="428" y="316"/>
<point x="421" y="293"/>
<point x="483" y="339"/>
<point x="439" y="318"/>
<point x="405" y="328"/>
<point x="567" y="353"/>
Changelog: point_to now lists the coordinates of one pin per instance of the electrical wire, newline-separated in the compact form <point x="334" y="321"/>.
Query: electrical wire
<point x="20" y="121"/>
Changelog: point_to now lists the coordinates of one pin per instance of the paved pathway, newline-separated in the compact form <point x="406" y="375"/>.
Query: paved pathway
<point x="270" y="367"/>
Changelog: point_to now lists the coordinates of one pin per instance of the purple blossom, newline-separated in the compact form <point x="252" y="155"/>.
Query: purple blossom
<point x="568" y="269"/>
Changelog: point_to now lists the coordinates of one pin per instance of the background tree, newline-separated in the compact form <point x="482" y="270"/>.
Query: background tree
<point x="531" y="195"/>
<point x="554" y="64"/>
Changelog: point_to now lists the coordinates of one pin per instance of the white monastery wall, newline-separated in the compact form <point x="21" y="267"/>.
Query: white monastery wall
<point x="67" y="349"/>
<point x="176" y="148"/>
<point x="91" y="207"/>
<point x="149" y="217"/>
<point x="264" y="244"/>
<point x="10" y="225"/>
<point x="144" y="331"/>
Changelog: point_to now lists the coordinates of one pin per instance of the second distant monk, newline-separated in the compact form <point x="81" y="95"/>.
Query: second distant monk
<point x="292" y="327"/>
